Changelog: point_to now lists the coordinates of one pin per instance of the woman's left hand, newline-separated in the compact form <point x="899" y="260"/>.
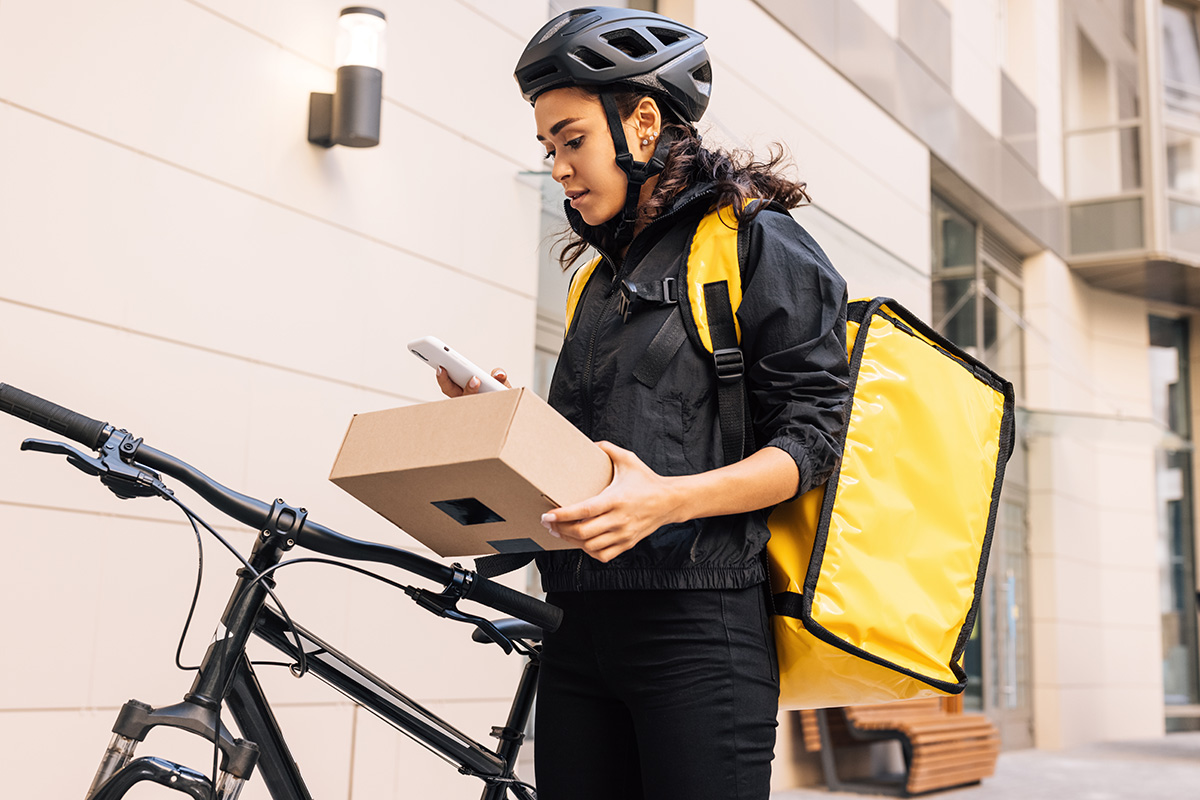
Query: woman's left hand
<point x="638" y="502"/>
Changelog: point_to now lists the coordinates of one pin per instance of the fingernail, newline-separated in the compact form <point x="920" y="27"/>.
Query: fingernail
<point x="554" y="533"/>
<point x="474" y="382"/>
<point x="547" y="520"/>
<point x="500" y="375"/>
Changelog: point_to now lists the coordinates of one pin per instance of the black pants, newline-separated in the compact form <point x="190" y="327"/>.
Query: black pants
<point x="657" y="695"/>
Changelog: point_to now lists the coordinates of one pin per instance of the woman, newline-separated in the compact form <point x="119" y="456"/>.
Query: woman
<point x="662" y="680"/>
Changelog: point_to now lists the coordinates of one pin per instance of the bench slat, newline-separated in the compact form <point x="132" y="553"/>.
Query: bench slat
<point x="948" y="748"/>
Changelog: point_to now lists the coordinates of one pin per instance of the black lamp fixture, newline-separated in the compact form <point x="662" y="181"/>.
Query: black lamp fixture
<point x="350" y="116"/>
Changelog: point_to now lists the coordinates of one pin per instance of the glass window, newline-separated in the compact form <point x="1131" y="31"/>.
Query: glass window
<point x="1003" y="336"/>
<point x="1181" y="58"/>
<point x="954" y="311"/>
<point x="955" y="267"/>
<point x="1184" y="225"/>
<point x="1177" y="577"/>
<point x="1008" y="577"/>
<point x="1103" y="163"/>
<point x="1103" y="142"/>
<point x="1183" y="163"/>
<point x="1107" y="226"/>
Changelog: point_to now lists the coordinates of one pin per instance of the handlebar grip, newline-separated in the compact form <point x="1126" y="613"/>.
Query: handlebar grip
<point x="517" y="604"/>
<point x="52" y="416"/>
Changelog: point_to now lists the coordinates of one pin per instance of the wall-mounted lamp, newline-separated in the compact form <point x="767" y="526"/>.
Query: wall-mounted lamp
<point x="350" y="116"/>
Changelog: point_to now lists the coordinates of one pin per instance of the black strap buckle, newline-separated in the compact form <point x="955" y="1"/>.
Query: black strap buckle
<point x="731" y="366"/>
<point x="662" y="293"/>
<point x="670" y="292"/>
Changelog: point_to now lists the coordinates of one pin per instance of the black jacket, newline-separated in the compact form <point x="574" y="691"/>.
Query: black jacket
<point x="793" y="323"/>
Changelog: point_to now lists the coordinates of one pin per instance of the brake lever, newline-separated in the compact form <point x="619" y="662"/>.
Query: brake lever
<point x="125" y="480"/>
<point x="84" y="463"/>
<point x="444" y="605"/>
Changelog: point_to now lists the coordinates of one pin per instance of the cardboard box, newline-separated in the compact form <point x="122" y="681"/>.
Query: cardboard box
<point x="471" y="475"/>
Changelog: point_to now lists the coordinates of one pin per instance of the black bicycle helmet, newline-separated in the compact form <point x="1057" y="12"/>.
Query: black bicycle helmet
<point x="606" y="47"/>
<point x="599" y="46"/>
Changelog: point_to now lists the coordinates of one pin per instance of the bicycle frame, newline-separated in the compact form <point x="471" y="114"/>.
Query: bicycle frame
<point x="471" y="758"/>
<point x="226" y="673"/>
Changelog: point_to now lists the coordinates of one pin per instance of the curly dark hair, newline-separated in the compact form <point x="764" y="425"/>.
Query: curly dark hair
<point x="737" y="174"/>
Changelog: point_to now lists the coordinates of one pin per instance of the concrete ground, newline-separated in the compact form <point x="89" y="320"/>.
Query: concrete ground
<point x="1155" y="769"/>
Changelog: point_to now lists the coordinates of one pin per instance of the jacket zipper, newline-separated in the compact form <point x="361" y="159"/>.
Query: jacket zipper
<point x="591" y="355"/>
<point x="625" y="269"/>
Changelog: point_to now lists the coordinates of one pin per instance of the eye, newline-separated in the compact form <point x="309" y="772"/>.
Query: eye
<point x="549" y="156"/>
<point x="575" y="143"/>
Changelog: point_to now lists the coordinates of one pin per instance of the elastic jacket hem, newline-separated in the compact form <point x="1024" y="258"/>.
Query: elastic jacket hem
<point x="701" y="577"/>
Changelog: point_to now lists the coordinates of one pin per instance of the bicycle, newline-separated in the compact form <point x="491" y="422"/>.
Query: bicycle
<point x="226" y="678"/>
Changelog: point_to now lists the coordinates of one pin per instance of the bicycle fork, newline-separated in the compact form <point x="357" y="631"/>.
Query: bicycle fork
<point x="199" y="711"/>
<point x="119" y="770"/>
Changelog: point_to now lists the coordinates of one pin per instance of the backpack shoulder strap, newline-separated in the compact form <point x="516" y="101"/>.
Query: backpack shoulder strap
<point x="713" y="259"/>
<point x="715" y="266"/>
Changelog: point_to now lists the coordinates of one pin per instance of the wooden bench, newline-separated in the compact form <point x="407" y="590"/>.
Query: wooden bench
<point x="942" y="746"/>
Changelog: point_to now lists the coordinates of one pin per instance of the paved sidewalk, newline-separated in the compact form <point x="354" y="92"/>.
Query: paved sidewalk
<point x="1153" y="769"/>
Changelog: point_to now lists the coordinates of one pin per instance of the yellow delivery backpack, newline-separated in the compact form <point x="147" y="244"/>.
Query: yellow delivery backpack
<point x="876" y="576"/>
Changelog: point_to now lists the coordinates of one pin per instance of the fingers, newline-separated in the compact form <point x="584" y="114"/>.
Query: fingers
<point x="448" y="387"/>
<point x="499" y="374"/>
<point x="452" y="389"/>
<point x="593" y="507"/>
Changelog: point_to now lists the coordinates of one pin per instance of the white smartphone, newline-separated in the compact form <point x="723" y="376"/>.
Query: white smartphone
<point x="436" y="353"/>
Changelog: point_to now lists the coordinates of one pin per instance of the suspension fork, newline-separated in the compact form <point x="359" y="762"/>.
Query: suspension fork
<point x="199" y="711"/>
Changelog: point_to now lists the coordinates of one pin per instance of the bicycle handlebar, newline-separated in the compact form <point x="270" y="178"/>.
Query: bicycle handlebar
<point x="255" y="513"/>
<point x="52" y="416"/>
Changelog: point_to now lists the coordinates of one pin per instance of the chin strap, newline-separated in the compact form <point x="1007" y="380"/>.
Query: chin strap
<point x="638" y="172"/>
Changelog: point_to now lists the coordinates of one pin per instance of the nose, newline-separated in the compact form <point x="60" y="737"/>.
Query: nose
<point x="562" y="169"/>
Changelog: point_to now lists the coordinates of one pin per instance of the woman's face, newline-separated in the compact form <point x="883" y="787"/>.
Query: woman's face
<point x="574" y="130"/>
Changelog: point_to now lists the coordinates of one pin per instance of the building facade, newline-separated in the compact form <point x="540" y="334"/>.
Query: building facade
<point x="177" y="259"/>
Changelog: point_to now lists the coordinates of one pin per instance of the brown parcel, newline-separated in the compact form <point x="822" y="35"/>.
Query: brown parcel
<point x="471" y="475"/>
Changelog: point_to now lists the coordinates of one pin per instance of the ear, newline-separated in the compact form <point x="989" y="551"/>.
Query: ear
<point x="646" y="118"/>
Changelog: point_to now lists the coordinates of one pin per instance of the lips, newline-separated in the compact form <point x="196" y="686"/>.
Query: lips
<point x="575" y="197"/>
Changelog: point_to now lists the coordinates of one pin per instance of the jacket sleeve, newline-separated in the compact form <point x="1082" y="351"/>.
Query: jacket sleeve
<point x="793" y="322"/>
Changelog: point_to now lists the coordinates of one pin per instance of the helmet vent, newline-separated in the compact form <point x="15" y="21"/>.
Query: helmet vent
<point x="703" y="73"/>
<point x="538" y="73"/>
<point x="591" y="59"/>
<point x="566" y="20"/>
<point x="667" y="36"/>
<point x="630" y="43"/>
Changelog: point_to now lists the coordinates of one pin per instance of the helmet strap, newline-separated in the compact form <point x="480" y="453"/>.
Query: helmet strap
<point x="637" y="172"/>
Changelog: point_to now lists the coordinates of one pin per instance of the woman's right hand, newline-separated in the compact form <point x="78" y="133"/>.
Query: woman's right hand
<point x="452" y="389"/>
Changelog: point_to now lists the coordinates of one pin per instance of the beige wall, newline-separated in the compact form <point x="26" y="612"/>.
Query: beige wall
<point x="177" y="259"/>
<point x="862" y="168"/>
<point x="975" y="60"/>
<point x="1092" y="526"/>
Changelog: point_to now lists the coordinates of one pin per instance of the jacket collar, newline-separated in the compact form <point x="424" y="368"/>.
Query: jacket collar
<point x="592" y="234"/>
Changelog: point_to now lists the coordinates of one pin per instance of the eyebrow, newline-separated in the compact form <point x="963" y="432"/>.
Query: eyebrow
<point x="558" y="126"/>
